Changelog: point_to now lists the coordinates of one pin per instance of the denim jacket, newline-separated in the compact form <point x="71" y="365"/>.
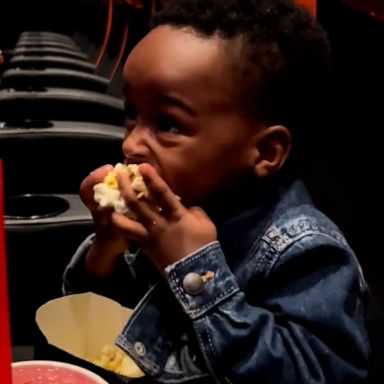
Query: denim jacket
<point x="279" y="298"/>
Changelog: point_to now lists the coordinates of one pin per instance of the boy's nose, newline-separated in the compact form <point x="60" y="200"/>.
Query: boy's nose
<point x="135" y="145"/>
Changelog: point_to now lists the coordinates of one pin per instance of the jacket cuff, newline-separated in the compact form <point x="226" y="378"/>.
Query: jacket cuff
<point x="76" y="279"/>
<point x="201" y="280"/>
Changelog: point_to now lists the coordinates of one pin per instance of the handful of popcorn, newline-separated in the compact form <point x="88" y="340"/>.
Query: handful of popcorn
<point x="114" y="359"/>
<point x="107" y="193"/>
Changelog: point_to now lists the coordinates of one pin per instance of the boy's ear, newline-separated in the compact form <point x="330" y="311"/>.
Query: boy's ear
<point x="273" y="145"/>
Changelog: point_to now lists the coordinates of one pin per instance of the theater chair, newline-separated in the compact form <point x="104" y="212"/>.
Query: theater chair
<point x="40" y="62"/>
<point x="60" y="104"/>
<point x="45" y="35"/>
<point x="29" y="79"/>
<point x="48" y="51"/>
<point x="39" y="43"/>
<point x="45" y="219"/>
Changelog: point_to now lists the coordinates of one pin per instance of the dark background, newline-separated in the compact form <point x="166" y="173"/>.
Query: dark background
<point x="83" y="20"/>
<point x="346" y="162"/>
<point x="353" y="149"/>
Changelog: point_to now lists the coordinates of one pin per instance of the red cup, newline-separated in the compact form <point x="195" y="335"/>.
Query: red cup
<point x="47" y="371"/>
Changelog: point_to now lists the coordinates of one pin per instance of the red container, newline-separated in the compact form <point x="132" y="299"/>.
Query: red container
<point x="5" y="334"/>
<point x="55" y="372"/>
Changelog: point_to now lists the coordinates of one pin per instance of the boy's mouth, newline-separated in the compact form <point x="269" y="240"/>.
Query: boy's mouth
<point x="134" y="161"/>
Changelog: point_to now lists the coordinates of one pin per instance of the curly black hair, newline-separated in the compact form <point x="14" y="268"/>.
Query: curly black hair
<point x="285" y="52"/>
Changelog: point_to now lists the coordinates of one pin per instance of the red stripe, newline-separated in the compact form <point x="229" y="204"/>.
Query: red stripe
<point x="5" y="337"/>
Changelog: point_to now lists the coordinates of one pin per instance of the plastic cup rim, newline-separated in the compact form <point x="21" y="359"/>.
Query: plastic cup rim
<point x="60" y="364"/>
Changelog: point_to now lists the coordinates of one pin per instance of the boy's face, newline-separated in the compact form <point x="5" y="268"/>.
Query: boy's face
<point x="184" y="113"/>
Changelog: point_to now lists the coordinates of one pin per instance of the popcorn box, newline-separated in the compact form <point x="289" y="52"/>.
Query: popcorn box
<point x="86" y="326"/>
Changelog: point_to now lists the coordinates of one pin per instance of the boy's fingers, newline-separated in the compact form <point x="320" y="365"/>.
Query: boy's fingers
<point x="199" y="213"/>
<point x="136" y="230"/>
<point x="160" y="193"/>
<point x="96" y="176"/>
<point x="143" y="208"/>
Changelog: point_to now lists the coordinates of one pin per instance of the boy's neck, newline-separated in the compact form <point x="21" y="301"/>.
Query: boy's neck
<point x="245" y="194"/>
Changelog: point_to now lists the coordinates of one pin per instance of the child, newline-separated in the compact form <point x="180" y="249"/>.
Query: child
<point x="234" y="275"/>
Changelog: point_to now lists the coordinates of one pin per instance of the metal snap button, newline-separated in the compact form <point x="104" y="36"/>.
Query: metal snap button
<point x="139" y="348"/>
<point x="193" y="283"/>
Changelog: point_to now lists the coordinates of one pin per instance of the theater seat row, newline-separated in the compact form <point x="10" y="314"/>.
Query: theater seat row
<point x="57" y="123"/>
<point x="42" y="81"/>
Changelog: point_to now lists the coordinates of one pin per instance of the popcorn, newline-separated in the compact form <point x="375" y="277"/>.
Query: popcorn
<point x="107" y="194"/>
<point x="114" y="359"/>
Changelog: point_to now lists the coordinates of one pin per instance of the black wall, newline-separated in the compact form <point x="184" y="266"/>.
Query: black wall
<point x="354" y="152"/>
<point x="347" y="161"/>
<point x="352" y="189"/>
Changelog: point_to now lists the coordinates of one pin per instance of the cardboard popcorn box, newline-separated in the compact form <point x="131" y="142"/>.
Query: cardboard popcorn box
<point x="86" y="326"/>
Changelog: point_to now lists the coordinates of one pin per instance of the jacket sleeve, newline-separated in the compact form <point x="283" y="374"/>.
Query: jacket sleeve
<point x="77" y="280"/>
<point x="302" y="320"/>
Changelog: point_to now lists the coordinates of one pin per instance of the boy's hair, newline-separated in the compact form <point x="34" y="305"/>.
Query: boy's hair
<point x="284" y="58"/>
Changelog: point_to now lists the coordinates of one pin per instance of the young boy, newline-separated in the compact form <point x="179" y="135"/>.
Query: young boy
<point x="234" y="275"/>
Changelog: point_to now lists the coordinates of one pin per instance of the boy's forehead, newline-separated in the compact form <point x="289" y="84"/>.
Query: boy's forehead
<point x="165" y="41"/>
<point x="171" y="55"/>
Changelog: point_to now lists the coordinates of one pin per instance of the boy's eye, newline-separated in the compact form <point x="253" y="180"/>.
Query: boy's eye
<point x="167" y="125"/>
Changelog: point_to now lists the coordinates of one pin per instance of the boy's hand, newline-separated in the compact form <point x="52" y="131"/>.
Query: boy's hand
<point x="166" y="230"/>
<point x="86" y="187"/>
<point x="108" y="237"/>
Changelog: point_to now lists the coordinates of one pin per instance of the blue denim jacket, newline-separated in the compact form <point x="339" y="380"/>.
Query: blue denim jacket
<point x="279" y="298"/>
